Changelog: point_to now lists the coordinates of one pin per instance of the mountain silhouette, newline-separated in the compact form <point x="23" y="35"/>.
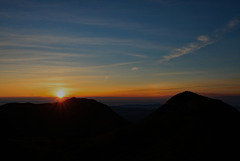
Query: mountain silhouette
<point x="73" y="117"/>
<point x="45" y="131"/>
<point x="187" y="127"/>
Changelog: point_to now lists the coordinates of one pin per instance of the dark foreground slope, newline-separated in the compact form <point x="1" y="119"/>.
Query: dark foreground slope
<point x="189" y="127"/>
<point x="41" y="131"/>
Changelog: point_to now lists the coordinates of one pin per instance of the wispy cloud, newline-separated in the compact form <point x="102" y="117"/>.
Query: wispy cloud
<point x="35" y="56"/>
<point x="52" y="39"/>
<point x="233" y="23"/>
<point x="114" y="65"/>
<point x="186" y="50"/>
<point x="32" y="53"/>
<point x="70" y="17"/>
<point x="177" y="73"/>
<point x="50" y="69"/>
<point x="138" y="55"/>
<point x="203" y="38"/>
<point x="134" y="68"/>
<point x="70" y="42"/>
<point x="201" y="41"/>
<point x="109" y="23"/>
<point x="14" y="60"/>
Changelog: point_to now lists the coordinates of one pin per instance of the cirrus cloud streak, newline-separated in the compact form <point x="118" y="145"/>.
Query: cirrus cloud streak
<point x="201" y="41"/>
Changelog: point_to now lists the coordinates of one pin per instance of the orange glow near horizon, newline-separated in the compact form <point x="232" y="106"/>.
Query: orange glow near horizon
<point x="97" y="88"/>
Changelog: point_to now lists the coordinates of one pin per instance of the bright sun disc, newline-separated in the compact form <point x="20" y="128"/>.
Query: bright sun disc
<point x="60" y="94"/>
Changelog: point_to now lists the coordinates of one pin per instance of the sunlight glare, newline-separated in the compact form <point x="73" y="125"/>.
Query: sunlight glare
<point x="60" y="93"/>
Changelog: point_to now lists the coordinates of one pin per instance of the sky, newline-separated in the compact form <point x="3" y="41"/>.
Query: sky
<point x="127" y="48"/>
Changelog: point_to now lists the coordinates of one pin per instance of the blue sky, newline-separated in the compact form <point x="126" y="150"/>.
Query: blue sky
<point x="120" y="48"/>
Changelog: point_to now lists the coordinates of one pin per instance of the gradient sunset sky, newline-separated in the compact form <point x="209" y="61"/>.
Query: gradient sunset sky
<point x="119" y="48"/>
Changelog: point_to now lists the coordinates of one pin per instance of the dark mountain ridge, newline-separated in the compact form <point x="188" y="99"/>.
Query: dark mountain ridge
<point x="46" y="131"/>
<point x="73" y="117"/>
<point x="188" y="127"/>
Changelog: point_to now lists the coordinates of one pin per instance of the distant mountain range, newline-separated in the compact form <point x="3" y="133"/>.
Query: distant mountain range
<point x="188" y="127"/>
<point x="135" y="112"/>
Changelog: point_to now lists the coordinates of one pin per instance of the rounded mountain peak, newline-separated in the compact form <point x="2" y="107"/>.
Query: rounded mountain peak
<point x="185" y="96"/>
<point x="191" y="101"/>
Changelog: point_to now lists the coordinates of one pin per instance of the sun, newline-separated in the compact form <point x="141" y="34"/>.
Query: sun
<point x="60" y="93"/>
